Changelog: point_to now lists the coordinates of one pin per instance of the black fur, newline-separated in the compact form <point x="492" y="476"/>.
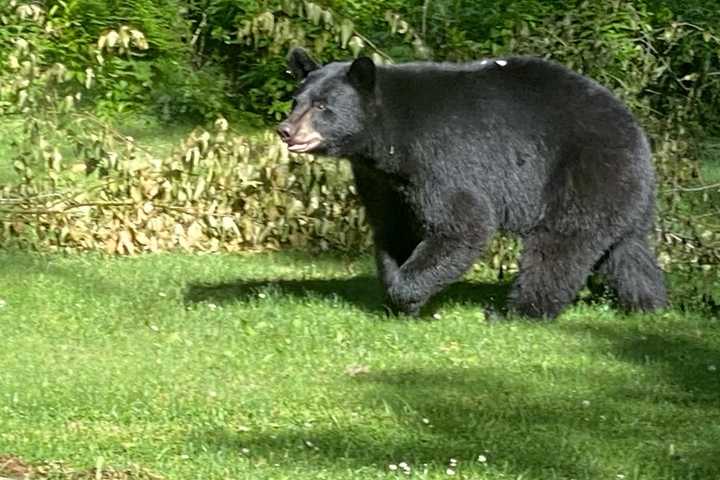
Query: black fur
<point x="445" y="155"/>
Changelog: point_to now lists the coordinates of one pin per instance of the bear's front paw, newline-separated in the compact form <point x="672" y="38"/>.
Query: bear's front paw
<point x="402" y="300"/>
<point x="392" y="308"/>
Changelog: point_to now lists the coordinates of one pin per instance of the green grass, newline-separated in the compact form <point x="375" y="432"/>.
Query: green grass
<point x="158" y="138"/>
<point x="284" y="366"/>
<point x="161" y="138"/>
<point x="9" y="128"/>
<point x="711" y="161"/>
<point x="151" y="135"/>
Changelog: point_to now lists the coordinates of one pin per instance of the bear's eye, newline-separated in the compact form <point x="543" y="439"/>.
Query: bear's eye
<point x="320" y="105"/>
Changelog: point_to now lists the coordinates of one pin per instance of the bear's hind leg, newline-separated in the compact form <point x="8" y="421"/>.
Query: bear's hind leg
<point x="632" y="271"/>
<point x="553" y="269"/>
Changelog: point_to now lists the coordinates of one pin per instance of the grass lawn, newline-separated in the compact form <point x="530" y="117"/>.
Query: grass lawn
<point x="284" y="366"/>
<point x="9" y="128"/>
<point x="711" y="161"/>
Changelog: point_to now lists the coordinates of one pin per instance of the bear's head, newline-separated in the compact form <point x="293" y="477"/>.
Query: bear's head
<point x="331" y="107"/>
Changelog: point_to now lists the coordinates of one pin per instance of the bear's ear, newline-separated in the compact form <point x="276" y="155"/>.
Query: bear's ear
<point x="300" y="63"/>
<point x="362" y="74"/>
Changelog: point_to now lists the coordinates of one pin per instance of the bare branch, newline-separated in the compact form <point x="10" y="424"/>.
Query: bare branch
<point x="693" y="189"/>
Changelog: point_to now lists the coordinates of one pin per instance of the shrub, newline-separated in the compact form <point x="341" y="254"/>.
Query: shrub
<point x="218" y="191"/>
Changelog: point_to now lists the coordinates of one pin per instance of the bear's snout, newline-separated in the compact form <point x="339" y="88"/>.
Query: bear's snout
<point x="300" y="136"/>
<point x="285" y="131"/>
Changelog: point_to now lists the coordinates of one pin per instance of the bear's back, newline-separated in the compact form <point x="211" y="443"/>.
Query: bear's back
<point x="532" y="95"/>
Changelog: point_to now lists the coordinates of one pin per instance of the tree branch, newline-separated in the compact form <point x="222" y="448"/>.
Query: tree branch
<point x="693" y="189"/>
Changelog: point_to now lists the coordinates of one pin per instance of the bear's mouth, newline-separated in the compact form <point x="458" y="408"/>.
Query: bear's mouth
<point x="304" y="146"/>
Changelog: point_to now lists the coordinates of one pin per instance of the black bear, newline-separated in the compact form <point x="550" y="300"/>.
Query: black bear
<point x="444" y="155"/>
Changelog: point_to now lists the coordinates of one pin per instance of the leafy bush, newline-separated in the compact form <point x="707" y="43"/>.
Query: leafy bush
<point x="219" y="191"/>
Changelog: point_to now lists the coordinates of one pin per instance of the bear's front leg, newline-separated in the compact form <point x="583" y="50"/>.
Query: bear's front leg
<point x="435" y="264"/>
<point x="387" y="267"/>
<point x="458" y="230"/>
<point x="388" y="271"/>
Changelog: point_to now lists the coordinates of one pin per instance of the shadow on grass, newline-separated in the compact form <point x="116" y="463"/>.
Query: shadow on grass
<point x="523" y="431"/>
<point x="363" y="292"/>
<point x="684" y="359"/>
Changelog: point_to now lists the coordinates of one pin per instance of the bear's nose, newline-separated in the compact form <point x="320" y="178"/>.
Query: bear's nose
<point x="284" y="131"/>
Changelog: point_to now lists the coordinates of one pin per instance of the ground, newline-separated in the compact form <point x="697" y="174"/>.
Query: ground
<point x="284" y="366"/>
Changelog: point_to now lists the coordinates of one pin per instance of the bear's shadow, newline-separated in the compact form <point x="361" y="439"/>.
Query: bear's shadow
<point x="363" y="292"/>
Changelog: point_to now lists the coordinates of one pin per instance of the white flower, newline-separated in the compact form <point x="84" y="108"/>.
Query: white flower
<point x="450" y="471"/>
<point x="482" y="458"/>
<point x="393" y="467"/>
